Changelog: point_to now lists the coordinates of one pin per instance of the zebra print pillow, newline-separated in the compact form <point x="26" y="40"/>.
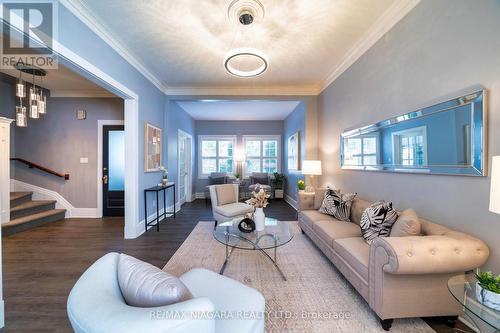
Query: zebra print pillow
<point x="377" y="220"/>
<point x="337" y="204"/>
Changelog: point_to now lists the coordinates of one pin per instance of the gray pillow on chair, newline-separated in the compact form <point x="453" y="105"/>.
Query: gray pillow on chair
<point x="144" y="285"/>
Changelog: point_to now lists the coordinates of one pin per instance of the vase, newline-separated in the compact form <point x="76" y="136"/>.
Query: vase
<point x="259" y="218"/>
<point x="488" y="298"/>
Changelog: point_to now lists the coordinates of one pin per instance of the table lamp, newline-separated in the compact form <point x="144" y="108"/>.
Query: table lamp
<point x="311" y="168"/>
<point x="495" y="185"/>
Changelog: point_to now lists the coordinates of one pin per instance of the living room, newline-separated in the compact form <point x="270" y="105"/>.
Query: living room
<point x="382" y="117"/>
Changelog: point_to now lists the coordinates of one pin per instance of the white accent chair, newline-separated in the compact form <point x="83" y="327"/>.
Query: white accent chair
<point x="229" y="208"/>
<point x="96" y="305"/>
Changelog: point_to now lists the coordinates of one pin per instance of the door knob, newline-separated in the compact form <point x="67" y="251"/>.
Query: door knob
<point x="105" y="179"/>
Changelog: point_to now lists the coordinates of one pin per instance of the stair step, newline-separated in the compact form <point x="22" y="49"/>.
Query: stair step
<point x="32" y="221"/>
<point x="31" y="207"/>
<point x="17" y="198"/>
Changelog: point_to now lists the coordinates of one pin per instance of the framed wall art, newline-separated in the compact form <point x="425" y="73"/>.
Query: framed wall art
<point x="294" y="152"/>
<point x="152" y="148"/>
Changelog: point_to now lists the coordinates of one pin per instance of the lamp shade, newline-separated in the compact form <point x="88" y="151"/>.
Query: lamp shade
<point x="495" y="185"/>
<point x="311" y="167"/>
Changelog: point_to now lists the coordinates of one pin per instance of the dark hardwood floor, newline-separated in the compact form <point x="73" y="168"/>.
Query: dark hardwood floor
<point x="41" y="265"/>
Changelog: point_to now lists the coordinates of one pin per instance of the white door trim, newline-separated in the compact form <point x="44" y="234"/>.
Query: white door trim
<point x="189" y="183"/>
<point x="100" y="125"/>
<point x="133" y="227"/>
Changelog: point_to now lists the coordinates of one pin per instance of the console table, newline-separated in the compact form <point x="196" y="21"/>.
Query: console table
<point x="157" y="190"/>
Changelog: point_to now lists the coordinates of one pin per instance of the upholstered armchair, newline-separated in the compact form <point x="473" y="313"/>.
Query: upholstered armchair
<point x="225" y="203"/>
<point x="96" y="304"/>
<point x="261" y="180"/>
<point x="215" y="178"/>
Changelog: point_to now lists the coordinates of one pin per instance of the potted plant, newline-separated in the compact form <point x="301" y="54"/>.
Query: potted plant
<point x="279" y="184"/>
<point x="164" y="177"/>
<point x="488" y="289"/>
<point x="259" y="201"/>
<point x="301" y="185"/>
<point x="237" y="176"/>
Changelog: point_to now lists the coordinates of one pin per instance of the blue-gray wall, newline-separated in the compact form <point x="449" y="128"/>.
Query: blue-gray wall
<point x="177" y="119"/>
<point x="238" y="128"/>
<point x="440" y="48"/>
<point x="77" y="37"/>
<point x="295" y="122"/>
<point x="58" y="140"/>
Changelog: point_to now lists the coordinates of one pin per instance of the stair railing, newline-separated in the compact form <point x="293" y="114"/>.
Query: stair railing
<point x="32" y="165"/>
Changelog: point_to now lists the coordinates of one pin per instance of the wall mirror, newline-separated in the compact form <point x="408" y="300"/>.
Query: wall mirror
<point x="446" y="138"/>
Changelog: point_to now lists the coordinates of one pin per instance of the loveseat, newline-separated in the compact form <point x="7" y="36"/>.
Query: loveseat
<point x="399" y="277"/>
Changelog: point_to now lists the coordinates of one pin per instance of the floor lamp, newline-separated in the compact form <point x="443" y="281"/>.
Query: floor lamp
<point x="495" y="185"/>
<point x="311" y="168"/>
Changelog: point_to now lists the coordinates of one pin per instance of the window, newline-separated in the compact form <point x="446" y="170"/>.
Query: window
<point x="361" y="150"/>
<point x="215" y="154"/>
<point x="262" y="154"/>
<point x="410" y="147"/>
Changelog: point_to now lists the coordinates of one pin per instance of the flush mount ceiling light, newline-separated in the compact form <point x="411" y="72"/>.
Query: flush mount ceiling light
<point x="246" y="62"/>
<point x="245" y="11"/>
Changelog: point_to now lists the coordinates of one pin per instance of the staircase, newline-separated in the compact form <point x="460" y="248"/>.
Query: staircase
<point x="26" y="213"/>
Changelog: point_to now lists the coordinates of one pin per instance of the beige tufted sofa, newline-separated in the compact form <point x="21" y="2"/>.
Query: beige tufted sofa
<point x="399" y="277"/>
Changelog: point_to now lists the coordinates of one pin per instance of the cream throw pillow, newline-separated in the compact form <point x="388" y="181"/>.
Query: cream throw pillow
<point x="407" y="224"/>
<point x="225" y="194"/>
<point x="144" y="285"/>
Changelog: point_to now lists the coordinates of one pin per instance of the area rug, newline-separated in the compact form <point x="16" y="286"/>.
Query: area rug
<point x="315" y="297"/>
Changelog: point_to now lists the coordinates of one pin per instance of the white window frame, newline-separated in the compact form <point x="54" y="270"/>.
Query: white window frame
<point x="217" y="138"/>
<point x="396" y="148"/>
<point x="362" y="155"/>
<point x="261" y="138"/>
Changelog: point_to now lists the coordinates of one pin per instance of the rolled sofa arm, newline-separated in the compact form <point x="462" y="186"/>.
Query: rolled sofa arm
<point x="451" y="253"/>
<point x="306" y="200"/>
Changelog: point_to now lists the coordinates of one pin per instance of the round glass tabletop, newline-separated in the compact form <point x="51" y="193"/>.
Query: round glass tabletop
<point x="463" y="289"/>
<point x="275" y="234"/>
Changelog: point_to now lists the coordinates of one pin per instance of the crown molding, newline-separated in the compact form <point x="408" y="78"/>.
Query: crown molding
<point x="243" y="91"/>
<point x="82" y="93"/>
<point x="386" y="22"/>
<point x="84" y="14"/>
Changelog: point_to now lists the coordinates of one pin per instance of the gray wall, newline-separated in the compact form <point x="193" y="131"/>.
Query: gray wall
<point x="204" y="127"/>
<point x="296" y="121"/>
<point x="439" y="49"/>
<point x="58" y="140"/>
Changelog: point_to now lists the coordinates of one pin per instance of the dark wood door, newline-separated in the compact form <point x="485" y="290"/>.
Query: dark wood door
<point x="113" y="170"/>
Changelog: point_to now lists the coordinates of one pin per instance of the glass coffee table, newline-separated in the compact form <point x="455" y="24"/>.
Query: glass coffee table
<point x="463" y="289"/>
<point x="275" y="234"/>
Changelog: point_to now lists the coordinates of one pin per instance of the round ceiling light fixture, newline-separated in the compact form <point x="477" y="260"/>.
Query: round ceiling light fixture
<point x="246" y="62"/>
<point x="245" y="12"/>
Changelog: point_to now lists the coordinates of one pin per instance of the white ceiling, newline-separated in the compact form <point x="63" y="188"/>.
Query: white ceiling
<point x="238" y="110"/>
<point x="180" y="45"/>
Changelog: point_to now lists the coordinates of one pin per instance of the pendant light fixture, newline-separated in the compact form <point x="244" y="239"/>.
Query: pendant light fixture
<point x="20" y="87"/>
<point x="245" y="62"/>
<point x="21" y="118"/>
<point x="42" y="100"/>
<point x="34" y="98"/>
<point x="34" y="114"/>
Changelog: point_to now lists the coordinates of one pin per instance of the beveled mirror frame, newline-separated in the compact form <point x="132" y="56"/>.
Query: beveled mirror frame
<point x="477" y="166"/>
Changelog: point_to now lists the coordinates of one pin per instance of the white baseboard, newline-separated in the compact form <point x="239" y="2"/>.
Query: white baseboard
<point x="40" y="193"/>
<point x="2" y="315"/>
<point x="200" y="195"/>
<point x="291" y="201"/>
<point x="140" y="227"/>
